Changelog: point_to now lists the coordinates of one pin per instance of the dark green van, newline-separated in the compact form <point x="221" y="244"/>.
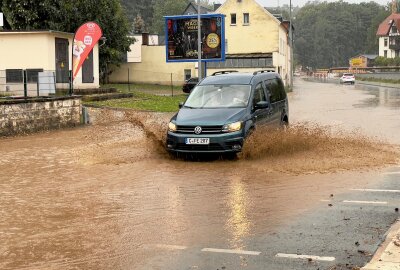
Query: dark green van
<point x="222" y="109"/>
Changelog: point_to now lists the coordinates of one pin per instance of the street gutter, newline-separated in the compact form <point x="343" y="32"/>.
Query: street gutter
<point x="387" y="256"/>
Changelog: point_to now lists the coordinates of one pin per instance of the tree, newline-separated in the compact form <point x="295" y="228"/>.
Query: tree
<point x="67" y="16"/>
<point x="138" y="24"/>
<point x="328" y="34"/>
<point x="144" y="8"/>
<point x="166" y="8"/>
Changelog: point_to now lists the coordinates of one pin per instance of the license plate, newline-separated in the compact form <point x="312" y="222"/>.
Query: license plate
<point x="197" y="140"/>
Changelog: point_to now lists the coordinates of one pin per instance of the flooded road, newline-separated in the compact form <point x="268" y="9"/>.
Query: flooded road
<point x="107" y="197"/>
<point x="374" y="111"/>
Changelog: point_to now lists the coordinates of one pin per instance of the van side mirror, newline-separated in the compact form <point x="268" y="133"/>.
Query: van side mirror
<point x="180" y="105"/>
<point x="262" y="105"/>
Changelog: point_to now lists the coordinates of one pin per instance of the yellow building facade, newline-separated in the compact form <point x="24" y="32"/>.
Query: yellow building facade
<point x="153" y="69"/>
<point x="251" y="32"/>
<point x="255" y="40"/>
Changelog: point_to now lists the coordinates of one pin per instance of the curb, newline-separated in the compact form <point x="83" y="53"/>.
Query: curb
<point x="387" y="256"/>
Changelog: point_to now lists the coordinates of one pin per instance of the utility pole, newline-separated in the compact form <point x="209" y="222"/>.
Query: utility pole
<point x="291" y="45"/>
<point x="199" y="39"/>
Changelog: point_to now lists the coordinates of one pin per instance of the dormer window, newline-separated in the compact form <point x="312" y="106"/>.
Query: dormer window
<point x="393" y="29"/>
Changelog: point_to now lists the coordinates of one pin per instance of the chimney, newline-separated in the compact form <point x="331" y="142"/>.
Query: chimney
<point x="216" y="6"/>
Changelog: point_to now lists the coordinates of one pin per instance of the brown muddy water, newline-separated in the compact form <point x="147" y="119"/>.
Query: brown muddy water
<point x="102" y="196"/>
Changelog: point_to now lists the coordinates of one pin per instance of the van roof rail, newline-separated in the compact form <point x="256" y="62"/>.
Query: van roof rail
<point x="263" y="71"/>
<point x="223" y="72"/>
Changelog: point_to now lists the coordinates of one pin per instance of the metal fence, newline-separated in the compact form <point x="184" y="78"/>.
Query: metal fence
<point x="34" y="82"/>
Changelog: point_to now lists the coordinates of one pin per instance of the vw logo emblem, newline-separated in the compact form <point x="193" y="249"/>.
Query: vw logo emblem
<point x="197" y="130"/>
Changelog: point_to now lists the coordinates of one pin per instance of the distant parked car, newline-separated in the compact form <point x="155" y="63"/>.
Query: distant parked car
<point x="348" y="78"/>
<point x="190" y="84"/>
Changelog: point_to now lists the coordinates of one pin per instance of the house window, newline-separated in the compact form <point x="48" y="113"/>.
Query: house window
<point x="233" y="19"/>
<point x="246" y="18"/>
<point x="385" y="53"/>
<point x="396" y="53"/>
<point x="394" y="29"/>
<point x="14" y="76"/>
<point x="385" y="42"/>
<point x="188" y="74"/>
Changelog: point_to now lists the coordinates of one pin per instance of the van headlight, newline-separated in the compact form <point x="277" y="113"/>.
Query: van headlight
<point x="232" y="127"/>
<point x="172" y="127"/>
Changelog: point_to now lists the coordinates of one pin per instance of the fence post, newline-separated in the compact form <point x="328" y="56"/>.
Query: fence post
<point x="25" y="80"/>
<point x="172" y="86"/>
<point x="55" y="83"/>
<point x="37" y="85"/>
<point x="129" y="82"/>
<point x="71" y="86"/>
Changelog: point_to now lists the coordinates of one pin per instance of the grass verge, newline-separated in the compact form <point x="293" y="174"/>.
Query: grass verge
<point x="370" y="79"/>
<point x="145" y="97"/>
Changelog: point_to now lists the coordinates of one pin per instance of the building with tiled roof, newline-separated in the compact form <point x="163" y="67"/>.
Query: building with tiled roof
<point x="192" y="8"/>
<point x="389" y="35"/>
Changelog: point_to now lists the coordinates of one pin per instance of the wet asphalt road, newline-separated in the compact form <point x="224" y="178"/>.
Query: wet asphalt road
<point x="343" y="235"/>
<point x="100" y="198"/>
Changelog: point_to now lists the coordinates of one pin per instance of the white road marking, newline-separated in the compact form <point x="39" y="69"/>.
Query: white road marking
<point x="306" y="257"/>
<point x="377" y="190"/>
<point x="365" y="202"/>
<point x="232" y="251"/>
<point x="391" y="173"/>
<point x="170" y="247"/>
<point x="326" y="200"/>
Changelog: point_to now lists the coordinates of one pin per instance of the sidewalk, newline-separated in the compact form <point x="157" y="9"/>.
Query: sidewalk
<point x="387" y="256"/>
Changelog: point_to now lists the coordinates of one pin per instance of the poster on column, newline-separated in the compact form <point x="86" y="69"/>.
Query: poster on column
<point x="86" y="37"/>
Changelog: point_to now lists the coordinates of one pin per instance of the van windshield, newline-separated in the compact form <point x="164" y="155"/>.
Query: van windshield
<point x="219" y="96"/>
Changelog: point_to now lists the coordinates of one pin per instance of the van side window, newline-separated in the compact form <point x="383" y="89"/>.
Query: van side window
<point x="259" y="94"/>
<point x="276" y="89"/>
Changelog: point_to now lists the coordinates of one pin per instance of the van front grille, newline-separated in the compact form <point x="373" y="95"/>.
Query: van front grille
<point x="204" y="129"/>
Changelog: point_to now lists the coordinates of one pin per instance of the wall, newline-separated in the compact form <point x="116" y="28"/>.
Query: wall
<point x="21" y="50"/>
<point x="283" y="57"/>
<point x="135" y="55"/>
<point x="36" y="49"/>
<point x="382" y="48"/>
<point x="262" y="33"/>
<point x="19" y="116"/>
<point x="154" y="69"/>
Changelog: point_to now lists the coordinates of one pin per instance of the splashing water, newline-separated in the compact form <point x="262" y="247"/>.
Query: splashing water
<point x="300" y="148"/>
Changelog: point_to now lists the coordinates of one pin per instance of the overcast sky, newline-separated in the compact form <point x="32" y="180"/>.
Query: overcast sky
<point x="274" y="3"/>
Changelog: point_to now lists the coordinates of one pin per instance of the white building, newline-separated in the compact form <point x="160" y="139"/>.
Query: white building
<point x="389" y="36"/>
